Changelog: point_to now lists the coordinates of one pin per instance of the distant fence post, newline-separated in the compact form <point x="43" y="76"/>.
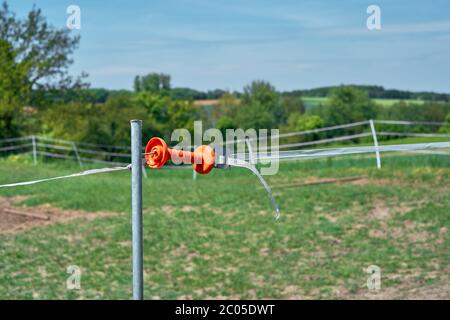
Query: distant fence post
<point x="136" y="202"/>
<point x="77" y="155"/>
<point x="144" y="172"/>
<point x="194" y="173"/>
<point x="33" y="142"/>
<point x="375" y="143"/>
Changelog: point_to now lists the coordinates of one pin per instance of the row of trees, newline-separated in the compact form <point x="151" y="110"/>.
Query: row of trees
<point x="375" y="92"/>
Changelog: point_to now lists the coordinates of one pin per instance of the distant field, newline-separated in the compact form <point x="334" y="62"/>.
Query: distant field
<point x="207" y="102"/>
<point x="314" y="101"/>
<point x="311" y="102"/>
<point x="216" y="237"/>
<point x="389" y="102"/>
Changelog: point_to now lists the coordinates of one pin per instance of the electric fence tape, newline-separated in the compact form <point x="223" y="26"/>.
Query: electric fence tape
<point x="79" y="174"/>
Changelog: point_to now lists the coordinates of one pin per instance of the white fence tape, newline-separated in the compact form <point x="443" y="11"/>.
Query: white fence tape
<point x="63" y="156"/>
<point x="104" y="153"/>
<point x="300" y="133"/>
<point x="16" y="147"/>
<point x="342" y="126"/>
<point x="83" y="143"/>
<point x="411" y="134"/>
<point x="432" y="123"/>
<point x="79" y="174"/>
<point x="82" y="150"/>
<point x="14" y="139"/>
<point x="440" y="153"/>
<point x="327" y="152"/>
<point x="308" y="143"/>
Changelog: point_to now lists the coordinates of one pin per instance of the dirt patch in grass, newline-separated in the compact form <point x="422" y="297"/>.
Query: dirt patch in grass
<point x="380" y="210"/>
<point x="351" y="180"/>
<point x="15" y="218"/>
<point x="169" y="210"/>
<point x="318" y="181"/>
<point x="383" y="213"/>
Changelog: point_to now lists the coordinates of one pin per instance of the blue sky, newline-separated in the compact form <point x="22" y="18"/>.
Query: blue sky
<point x="207" y="44"/>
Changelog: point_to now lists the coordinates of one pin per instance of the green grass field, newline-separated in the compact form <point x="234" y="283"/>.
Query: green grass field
<point x="311" y="102"/>
<point x="216" y="237"/>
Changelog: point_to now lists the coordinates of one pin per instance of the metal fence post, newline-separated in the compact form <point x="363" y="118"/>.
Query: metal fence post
<point x="136" y="194"/>
<point x="33" y="142"/>
<point x="375" y="143"/>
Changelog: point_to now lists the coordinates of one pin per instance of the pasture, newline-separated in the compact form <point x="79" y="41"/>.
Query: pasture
<point x="216" y="237"/>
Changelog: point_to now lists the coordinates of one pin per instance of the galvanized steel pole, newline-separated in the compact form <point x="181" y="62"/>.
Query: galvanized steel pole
<point x="136" y="202"/>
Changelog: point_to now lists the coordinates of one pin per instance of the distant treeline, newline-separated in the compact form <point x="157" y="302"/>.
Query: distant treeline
<point x="100" y="95"/>
<point x="374" y="92"/>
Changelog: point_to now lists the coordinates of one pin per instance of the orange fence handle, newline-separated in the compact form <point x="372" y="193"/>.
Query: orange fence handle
<point x="157" y="154"/>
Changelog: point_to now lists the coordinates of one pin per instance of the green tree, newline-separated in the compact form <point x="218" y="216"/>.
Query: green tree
<point x="156" y="104"/>
<point x="168" y="114"/>
<point x="13" y="88"/>
<point x="34" y="58"/>
<point x="106" y="123"/>
<point x="446" y="127"/>
<point x="347" y="104"/>
<point x="303" y="122"/>
<point x="74" y="121"/>
<point x="293" y="105"/>
<point x="117" y="112"/>
<point x="300" y="122"/>
<point x="224" y="123"/>
<point x="256" y="116"/>
<point x="428" y="111"/>
<point x="227" y="106"/>
<point x="181" y="114"/>
<point x="260" y="107"/>
<point x="152" y="82"/>
<point x="42" y="50"/>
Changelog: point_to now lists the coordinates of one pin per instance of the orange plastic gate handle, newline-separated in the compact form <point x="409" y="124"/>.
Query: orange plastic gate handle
<point x="157" y="153"/>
